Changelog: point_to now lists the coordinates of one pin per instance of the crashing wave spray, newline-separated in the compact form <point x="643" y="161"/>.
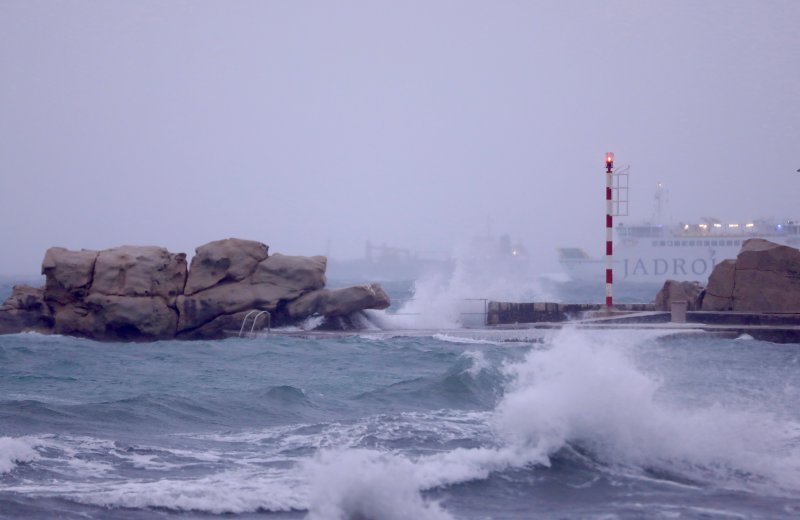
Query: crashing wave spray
<point x="487" y="269"/>
<point x="585" y="392"/>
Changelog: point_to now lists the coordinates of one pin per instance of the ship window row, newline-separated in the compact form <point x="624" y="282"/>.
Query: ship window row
<point x="694" y="243"/>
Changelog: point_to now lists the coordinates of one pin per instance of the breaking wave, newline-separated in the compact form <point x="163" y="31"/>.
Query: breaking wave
<point x="585" y="395"/>
<point x="14" y="451"/>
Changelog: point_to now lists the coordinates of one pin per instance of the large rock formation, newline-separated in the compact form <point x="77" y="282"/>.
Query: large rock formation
<point x="266" y="285"/>
<point x="765" y="277"/>
<point x="144" y="293"/>
<point x="123" y="293"/>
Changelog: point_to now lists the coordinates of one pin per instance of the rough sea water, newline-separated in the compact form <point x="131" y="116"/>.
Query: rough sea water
<point x="423" y="422"/>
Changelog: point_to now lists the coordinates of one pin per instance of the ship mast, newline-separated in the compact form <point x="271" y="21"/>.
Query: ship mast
<point x="661" y="202"/>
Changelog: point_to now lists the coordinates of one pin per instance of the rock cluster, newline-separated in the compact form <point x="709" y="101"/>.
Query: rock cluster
<point x="764" y="277"/>
<point x="143" y="293"/>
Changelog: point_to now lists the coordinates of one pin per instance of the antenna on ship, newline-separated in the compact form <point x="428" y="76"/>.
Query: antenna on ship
<point x="662" y="198"/>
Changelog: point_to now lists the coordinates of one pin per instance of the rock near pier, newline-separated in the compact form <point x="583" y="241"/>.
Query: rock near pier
<point x="146" y="293"/>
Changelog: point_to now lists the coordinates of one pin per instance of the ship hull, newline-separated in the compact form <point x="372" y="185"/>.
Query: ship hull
<point x="654" y="261"/>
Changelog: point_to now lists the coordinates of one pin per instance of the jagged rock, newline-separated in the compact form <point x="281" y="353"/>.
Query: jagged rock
<point x="201" y="308"/>
<point x="297" y="274"/>
<point x="74" y="319"/>
<point x="342" y="302"/>
<point x="308" y="305"/>
<point x="69" y="274"/>
<point x="139" y="271"/>
<point x="118" y="318"/>
<point x="227" y="324"/>
<point x="719" y="292"/>
<point x="123" y="293"/>
<point x="765" y="277"/>
<point x="24" y="310"/>
<point x="144" y="293"/>
<point x="26" y="298"/>
<point x="229" y="260"/>
<point x="275" y="280"/>
<point x="674" y="291"/>
<point x="339" y="302"/>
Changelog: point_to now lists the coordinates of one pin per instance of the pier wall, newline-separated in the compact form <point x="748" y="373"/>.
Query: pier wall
<point x="507" y="313"/>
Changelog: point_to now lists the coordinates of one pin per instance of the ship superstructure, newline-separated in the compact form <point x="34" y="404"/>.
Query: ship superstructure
<point x="654" y="252"/>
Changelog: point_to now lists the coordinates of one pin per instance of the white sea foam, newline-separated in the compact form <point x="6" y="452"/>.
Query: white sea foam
<point x="478" y="362"/>
<point x="588" y="390"/>
<point x="585" y="390"/>
<point x="237" y="491"/>
<point x="480" y="274"/>
<point x="463" y="339"/>
<point x="367" y="484"/>
<point x="14" y="451"/>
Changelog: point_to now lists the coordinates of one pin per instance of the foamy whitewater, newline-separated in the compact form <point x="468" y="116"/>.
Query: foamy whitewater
<point x="429" y="421"/>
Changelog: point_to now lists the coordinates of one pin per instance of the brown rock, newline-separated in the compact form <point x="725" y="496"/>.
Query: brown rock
<point x="25" y="310"/>
<point x="74" y="319"/>
<point x="229" y="260"/>
<point x="277" y="279"/>
<point x="202" y="307"/>
<point x="674" y="291"/>
<point x="763" y="255"/>
<point x="767" y="278"/>
<point x="294" y="273"/>
<point x="127" y="318"/>
<point x="339" y="302"/>
<point x="139" y="271"/>
<point x="308" y="305"/>
<point x="719" y="292"/>
<point x="226" y="325"/>
<point x="69" y="274"/>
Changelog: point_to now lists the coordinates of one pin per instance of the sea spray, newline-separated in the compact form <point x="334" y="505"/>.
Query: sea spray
<point x="367" y="484"/>
<point x="588" y="391"/>
<point x="585" y="392"/>
<point x="14" y="451"/>
<point x="480" y="275"/>
<point x="409" y="424"/>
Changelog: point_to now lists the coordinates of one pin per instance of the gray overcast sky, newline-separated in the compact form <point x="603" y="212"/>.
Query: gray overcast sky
<point x="411" y="123"/>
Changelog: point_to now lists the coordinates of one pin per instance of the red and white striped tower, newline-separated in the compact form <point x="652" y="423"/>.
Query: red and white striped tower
<point x="609" y="229"/>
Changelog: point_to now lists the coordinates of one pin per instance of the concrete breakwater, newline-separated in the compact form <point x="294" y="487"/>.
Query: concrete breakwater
<point x="766" y="326"/>
<point x="506" y="313"/>
<point x="758" y="294"/>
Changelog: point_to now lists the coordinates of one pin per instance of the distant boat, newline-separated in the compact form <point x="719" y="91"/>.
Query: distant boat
<point x="382" y="263"/>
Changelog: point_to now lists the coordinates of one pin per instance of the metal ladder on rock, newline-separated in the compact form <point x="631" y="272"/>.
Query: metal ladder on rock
<point x="255" y="314"/>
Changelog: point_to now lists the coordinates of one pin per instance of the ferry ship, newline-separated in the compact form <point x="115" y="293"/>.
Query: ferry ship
<point x="685" y="252"/>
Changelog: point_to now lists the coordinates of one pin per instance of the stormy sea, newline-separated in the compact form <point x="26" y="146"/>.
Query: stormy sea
<point x="419" y="416"/>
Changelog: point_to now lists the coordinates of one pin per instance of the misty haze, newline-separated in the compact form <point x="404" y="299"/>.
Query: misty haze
<point x="373" y="260"/>
<point x="316" y="127"/>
